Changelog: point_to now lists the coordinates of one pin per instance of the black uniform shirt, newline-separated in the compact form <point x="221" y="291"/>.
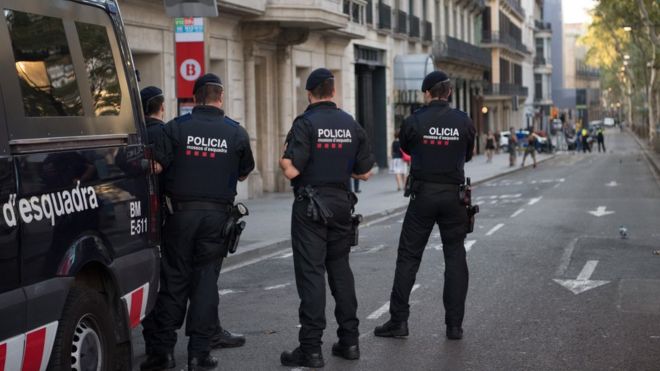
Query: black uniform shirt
<point x="326" y="145"/>
<point x="154" y="129"/>
<point x="440" y="140"/>
<point x="204" y="154"/>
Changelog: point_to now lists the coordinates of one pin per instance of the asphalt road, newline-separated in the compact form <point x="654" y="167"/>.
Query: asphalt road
<point x="535" y="227"/>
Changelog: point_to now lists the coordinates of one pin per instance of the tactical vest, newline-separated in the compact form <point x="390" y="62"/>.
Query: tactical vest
<point x="442" y="144"/>
<point x="206" y="161"/>
<point x="334" y="145"/>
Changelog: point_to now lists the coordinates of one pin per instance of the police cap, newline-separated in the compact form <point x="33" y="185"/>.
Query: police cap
<point x="318" y="76"/>
<point x="149" y="93"/>
<point x="433" y="78"/>
<point x="207" y="79"/>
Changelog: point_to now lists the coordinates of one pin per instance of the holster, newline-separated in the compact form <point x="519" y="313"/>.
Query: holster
<point x="465" y="195"/>
<point x="356" y="219"/>
<point x="234" y="226"/>
<point x="316" y="209"/>
<point x="411" y="188"/>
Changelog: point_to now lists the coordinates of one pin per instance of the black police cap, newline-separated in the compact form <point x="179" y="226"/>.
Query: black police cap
<point x="318" y="76"/>
<point x="433" y="78"/>
<point x="207" y="79"/>
<point x="149" y="93"/>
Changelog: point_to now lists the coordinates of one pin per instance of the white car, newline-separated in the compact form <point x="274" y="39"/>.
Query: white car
<point x="609" y="122"/>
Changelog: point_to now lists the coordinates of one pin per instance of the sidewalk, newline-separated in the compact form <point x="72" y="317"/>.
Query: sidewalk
<point x="268" y="228"/>
<point x="651" y="154"/>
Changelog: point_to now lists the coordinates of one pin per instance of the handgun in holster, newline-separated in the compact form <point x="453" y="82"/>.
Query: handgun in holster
<point x="316" y="209"/>
<point x="234" y="226"/>
<point x="356" y="219"/>
<point x="465" y="195"/>
<point x="411" y="187"/>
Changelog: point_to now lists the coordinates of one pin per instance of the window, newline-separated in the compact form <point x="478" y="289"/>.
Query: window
<point x="538" y="87"/>
<point x="446" y="19"/>
<point x="101" y="70"/>
<point x="44" y="65"/>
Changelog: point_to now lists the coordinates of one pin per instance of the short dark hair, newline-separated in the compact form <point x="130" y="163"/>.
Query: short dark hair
<point x="154" y="105"/>
<point x="208" y="93"/>
<point x="441" y="90"/>
<point x="324" y="89"/>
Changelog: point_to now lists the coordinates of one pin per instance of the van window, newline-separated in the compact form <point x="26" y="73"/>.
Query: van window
<point x="44" y="65"/>
<point x="101" y="70"/>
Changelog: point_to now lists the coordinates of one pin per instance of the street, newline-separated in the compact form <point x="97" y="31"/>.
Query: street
<point x="553" y="285"/>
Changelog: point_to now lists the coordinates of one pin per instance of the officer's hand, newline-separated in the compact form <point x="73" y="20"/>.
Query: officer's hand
<point x="157" y="168"/>
<point x="364" y="176"/>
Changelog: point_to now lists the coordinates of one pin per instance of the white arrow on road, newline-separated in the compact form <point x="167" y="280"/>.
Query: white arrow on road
<point x="582" y="283"/>
<point x="612" y="184"/>
<point x="600" y="211"/>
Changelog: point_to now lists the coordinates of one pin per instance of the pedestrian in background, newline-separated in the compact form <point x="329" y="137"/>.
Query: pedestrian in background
<point x="601" y="139"/>
<point x="531" y="148"/>
<point x="193" y="240"/>
<point x="498" y="138"/>
<point x="440" y="140"/>
<point x="490" y="146"/>
<point x="511" y="147"/>
<point x="398" y="167"/>
<point x="324" y="149"/>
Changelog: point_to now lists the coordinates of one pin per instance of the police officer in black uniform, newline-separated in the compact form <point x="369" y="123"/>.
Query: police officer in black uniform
<point x="324" y="149"/>
<point x="204" y="155"/>
<point x="440" y="140"/>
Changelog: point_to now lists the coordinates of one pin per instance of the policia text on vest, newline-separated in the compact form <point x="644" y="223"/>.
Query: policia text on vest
<point x="440" y="140"/>
<point x="324" y="149"/>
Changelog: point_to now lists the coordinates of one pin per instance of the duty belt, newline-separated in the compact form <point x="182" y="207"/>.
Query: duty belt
<point x="316" y="209"/>
<point x="201" y="205"/>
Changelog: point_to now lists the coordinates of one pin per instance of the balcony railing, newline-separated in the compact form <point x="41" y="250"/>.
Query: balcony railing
<point x="504" y="39"/>
<point x="384" y="17"/>
<point x="506" y="89"/>
<point x="428" y="31"/>
<point x="582" y="70"/>
<point x="402" y="22"/>
<point x="543" y="26"/>
<point x="450" y="48"/>
<point x="516" y="7"/>
<point x="539" y="61"/>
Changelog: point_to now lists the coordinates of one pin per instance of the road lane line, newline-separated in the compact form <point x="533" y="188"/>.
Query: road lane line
<point x="494" y="229"/>
<point x="534" y="200"/>
<point x="386" y="307"/>
<point x="375" y="221"/>
<point x="227" y="292"/>
<point x="287" y="255"/>
<point x="469" y="244"/>
<point x="518" y="212"/>
<point x="587" y="270"/>
<point x="374" y="249"/>
<point x="275" y="287"/>
<point x="566" y="258"/>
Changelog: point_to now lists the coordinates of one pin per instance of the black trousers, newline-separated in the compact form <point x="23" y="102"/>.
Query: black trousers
<point x="601" y="144"/>
<point x="433" y="203"/>
<point x="185" y="278"/>
<point x="318" y="248"/>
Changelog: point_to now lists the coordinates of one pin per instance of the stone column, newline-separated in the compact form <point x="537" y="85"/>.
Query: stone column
<point x="440" y="18"/>
<point x="451" y="18"/>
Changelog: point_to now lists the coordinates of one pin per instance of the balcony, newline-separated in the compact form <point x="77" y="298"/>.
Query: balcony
<point x="543" y="26"/>
<point x="428" y="31"/>
<point x="506" y="89"/>
<point x="515" y="7"/>
<point x="414" y="30"/>
<point x="454" y="50"/>
<point x="311" y="14"/>
<point x="402" y="22"/>
<point x="584" y="71"/>
<point x="498" y="40"/>
<point x="539" y="61"/>
<point x="384" y="17"/>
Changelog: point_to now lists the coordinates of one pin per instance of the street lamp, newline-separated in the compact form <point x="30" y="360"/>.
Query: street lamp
<point x="626" y="57"/>
<point x="484" y="110"/>
<point x="627" y="28"/>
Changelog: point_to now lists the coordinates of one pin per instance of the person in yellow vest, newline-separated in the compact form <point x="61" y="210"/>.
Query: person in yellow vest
<point x="585" y="140"/>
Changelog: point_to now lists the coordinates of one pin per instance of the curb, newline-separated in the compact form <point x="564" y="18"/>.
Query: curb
<point x="649" y="157"/>
<point x="255" y="251"/>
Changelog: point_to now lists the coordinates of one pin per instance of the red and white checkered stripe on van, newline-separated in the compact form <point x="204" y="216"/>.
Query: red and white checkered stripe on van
<point x="30" y="351"/>
<point x="136" y="302"/>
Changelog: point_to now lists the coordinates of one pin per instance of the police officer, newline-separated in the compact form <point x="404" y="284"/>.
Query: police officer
<point x="204" y="155"/>
<point x="325" y="148"/>
<point x="440" y="140"/>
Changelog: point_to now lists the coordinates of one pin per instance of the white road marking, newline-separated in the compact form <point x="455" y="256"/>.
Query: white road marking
<point x="582" y="283"/>
<point x="557" y="185"/>
<point x="517" y="195"/>
<point x="253" y="261"/>
<point x="494" y="229"/>
<point x="374" y="249"/>
<point x="534" y="200"/>
<point x="566" y="257"/>
<point x="612" y="184"/>
<point x="493" y="202"/>
<point x="275" y="287"/>
<point x="469" y="244"/>
<point x="518" y="212"/>
<point x="287" y="255"/>
<point x="227" y="292"/>
<point x="383" y="218"/>
<point x="435" y="246"/>
<point x="600" y="211"/>
<point x="386" y="307"/>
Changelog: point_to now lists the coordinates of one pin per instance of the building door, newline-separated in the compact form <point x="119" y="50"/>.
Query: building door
<point x="370" y="109"/>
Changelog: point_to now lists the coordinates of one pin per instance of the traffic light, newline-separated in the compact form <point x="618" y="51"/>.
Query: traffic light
<point x="191" y="8"/>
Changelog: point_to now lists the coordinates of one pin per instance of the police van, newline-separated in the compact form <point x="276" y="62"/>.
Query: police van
<point x="78" y="205"/>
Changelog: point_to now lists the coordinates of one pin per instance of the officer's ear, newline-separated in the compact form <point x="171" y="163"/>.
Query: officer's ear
<point x="222" y="97"/>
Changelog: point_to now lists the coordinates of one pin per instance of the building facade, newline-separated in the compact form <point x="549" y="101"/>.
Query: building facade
<point x="581" y="82"/>
<point x="542" y="77"/>
<point x="502" y="33"/>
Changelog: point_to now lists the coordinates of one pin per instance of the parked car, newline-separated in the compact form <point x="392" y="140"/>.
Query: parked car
<point x="79" y="229"/>
<point x="609" y="122"/>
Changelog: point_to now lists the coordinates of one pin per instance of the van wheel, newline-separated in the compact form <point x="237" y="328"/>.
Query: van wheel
<point x="85" y="339"/>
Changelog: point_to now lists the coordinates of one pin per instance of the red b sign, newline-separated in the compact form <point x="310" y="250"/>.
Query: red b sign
<point x="189" y="54"/>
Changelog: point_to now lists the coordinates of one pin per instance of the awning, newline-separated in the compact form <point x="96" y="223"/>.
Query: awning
<point x="410" y="70"/>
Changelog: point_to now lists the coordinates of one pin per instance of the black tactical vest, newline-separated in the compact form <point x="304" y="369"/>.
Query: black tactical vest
<point x="334" y="144"/>
<point x="439" y="155"/>
<point x="206" y="161"/>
